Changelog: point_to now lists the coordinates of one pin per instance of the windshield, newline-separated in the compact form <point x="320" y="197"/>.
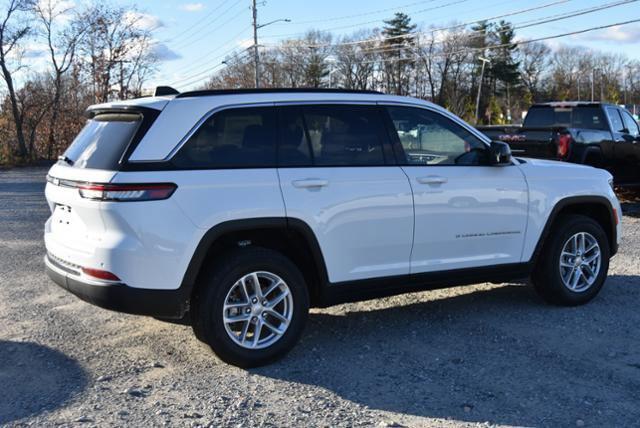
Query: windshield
<point x="585" y="117"/>
<point x="102" y="141"/>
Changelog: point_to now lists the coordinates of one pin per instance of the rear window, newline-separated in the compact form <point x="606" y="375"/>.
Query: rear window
<point x="102" y="141"/>
<point x="570" y="117"/>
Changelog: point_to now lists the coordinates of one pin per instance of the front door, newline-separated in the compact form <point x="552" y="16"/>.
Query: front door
<point x="336" y="176"/>
<point x="467" y="213"/>
<point x="625" y="162"/>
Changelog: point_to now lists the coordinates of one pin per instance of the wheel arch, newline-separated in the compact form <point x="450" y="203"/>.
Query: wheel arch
<point x="292" y="237"/>
<point x="596" y="207"/>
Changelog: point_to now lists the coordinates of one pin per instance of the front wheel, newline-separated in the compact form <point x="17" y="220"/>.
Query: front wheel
<point x="574" y="263"/>
<point x="252" y="307"/>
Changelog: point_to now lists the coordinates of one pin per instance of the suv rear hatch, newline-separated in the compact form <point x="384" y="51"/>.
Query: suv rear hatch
<point x="76" y="227"/>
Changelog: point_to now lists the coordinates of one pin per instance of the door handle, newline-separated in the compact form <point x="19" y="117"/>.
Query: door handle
<point x="431" y="179"/>
<point x="310" y="183"/>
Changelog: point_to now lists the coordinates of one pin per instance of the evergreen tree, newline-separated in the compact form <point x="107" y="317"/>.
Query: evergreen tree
<point x="398" y="52"/>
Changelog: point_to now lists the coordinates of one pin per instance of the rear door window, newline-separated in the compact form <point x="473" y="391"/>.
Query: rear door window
<point x="235" y="138"/>
<point x="344" y="135"/>
<point x="103" y="141"/>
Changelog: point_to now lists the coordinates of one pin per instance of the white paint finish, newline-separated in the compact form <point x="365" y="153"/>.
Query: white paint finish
<point x="469" y="216"/>
<point x="551" y="181"/>
<point x="362" y="218"/>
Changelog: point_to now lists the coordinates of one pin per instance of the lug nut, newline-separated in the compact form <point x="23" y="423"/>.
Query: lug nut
<point x="264" y="315"/>
<point x="265" y="303"/>
<point x="248" y="310"/>
<point x="254" y="319"/>
<point x="254" y="300"/>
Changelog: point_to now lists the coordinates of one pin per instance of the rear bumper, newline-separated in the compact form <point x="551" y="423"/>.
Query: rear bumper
<point x="172" y="304"/>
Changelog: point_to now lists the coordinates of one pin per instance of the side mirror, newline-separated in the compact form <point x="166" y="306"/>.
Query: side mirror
<point x="500" y="153"/>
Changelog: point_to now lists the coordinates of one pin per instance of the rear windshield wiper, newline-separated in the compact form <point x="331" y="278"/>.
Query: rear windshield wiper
<point x="66" y="160"/>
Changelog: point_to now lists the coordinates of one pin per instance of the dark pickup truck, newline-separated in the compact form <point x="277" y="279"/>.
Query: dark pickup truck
<point x="598" y="134"/>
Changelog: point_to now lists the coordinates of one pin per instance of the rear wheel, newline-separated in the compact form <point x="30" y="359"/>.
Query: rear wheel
<point x="574" y="262"/>
<point x="251" y="307"/>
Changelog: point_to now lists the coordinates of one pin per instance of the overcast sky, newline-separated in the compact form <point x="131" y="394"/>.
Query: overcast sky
<point x="194" y="37"/>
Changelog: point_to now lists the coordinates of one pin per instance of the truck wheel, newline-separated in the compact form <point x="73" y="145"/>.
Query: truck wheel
<point x="574" y="262"/>
<point x="251" y="307"/>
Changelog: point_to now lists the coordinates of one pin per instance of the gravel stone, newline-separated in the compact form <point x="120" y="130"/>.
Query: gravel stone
<point x="414" y="360"/>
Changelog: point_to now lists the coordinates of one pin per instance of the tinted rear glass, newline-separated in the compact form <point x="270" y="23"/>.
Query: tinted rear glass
<point x="238" y="138"/>
<point x="570" y="117"/>
<point x="102" y="141"/>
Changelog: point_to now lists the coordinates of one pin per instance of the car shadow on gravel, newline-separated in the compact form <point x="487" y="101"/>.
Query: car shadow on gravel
<point x="35" y="379"/>
<point x="500" y="355"/>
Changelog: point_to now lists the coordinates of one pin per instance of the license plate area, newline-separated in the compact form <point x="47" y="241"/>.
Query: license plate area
<point x="62" y="215"/>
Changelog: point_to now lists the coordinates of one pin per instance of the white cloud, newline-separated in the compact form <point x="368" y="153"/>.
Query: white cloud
<point x="245" y="43"/>
<point x="164" y="53"/>
<point x="619" y="34"/>
<point x="192" y="7"/>
<point x="144" y="21"/>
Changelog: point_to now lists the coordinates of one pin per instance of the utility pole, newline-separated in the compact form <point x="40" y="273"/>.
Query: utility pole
<point x="593" y="78"/>
<point x="256" y="27"/>
<point x="256" y="55"/>
<point x="484" y="62"/>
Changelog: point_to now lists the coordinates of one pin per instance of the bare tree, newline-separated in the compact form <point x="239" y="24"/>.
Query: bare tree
<point x="62" y="44"/>
<point x="14" y="29"/>
<point x="533" y="64"/>
<point x="118" y="48"/>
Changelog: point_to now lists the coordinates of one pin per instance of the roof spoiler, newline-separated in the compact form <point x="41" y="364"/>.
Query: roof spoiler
<point x="165" y="90"/>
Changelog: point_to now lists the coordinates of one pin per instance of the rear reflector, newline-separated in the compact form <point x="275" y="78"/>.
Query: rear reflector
<point x="127" y="192"/>
<point x="100" y="274"/>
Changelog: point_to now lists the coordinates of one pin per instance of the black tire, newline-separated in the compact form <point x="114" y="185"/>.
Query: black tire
<point x="547" y="278"/>
<point x="207" y="304"/>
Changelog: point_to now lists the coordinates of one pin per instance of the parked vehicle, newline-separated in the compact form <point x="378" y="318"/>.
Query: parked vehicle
<point x="597" y="134"/>
<point x="238" y="210"/>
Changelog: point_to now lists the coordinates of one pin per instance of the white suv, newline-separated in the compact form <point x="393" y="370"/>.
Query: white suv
<point x="238" y="210"/>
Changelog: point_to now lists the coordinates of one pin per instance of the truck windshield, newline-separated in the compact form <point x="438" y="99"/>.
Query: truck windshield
<point x="102" y="141"/>
<point x="585" y="117"/>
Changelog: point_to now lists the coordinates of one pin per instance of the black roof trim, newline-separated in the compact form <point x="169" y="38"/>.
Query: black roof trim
<point x="210" y="92"/>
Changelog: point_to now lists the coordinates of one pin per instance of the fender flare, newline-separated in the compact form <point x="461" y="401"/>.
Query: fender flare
<point x="577" y="200"/>
<point x="231" y="226"/>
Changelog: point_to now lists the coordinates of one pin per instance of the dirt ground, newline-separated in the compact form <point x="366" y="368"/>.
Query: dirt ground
<point x="466" y="356"/>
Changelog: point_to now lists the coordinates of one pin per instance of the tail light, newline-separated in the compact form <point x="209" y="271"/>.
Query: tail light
<point x="564" y="144"/>
<point x="127" y="192"/>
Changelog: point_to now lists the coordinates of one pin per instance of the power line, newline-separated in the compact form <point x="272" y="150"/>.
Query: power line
<point x="357" y="15"/>
<point x="360" y="24"/>
<point x="198" y="22"/>
<point x="517" y="26"/>
<point x="208" y="61"/>
<point x="199" y="36"/>
<point x="465" y="24"/>
<point x="520" y="43"/>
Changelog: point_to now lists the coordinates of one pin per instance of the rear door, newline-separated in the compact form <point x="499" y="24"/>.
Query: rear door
<point x="467" y="213"/>
<point x="337" y="176"/>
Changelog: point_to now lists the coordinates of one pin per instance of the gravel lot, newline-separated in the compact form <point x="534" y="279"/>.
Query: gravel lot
<point x="484" y="354"/>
